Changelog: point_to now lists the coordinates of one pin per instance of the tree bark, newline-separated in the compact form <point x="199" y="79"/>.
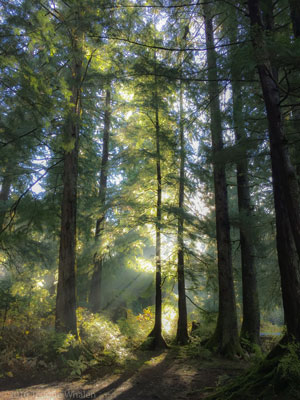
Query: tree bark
<point x="295" y="16"/>
<point x="182" y="331"/>
<point x="287" y="258"/>
<point x="226" y="333"/>
<point x="95" y="291"/>
<point x="4" y="196"/>
<point x="65" y="319"/>
<point x="278" y="141"/>
<point x="251" y="313"/>
<point x="285" y="186"/>
<point x="156" y="333"/>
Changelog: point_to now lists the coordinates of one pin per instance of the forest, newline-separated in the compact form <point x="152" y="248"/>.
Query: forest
<point x="149" y="199"/>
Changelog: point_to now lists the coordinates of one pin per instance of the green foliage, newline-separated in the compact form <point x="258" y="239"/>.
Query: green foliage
<point x="252" y="349"/>
<point x="101" y="337"/>
<point x="6" y="298"/>
<point x="205" y="328"/>
<point x="276" y="375"/>
<point x="195" y="350"/>
<point x="137" y="327"/>
<point x="41" y="352"/>
<point x="288" y="369"/>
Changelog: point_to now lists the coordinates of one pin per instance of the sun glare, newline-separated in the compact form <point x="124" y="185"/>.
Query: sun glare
<point x="169" y="318"/>
<point x="145" y="265"/>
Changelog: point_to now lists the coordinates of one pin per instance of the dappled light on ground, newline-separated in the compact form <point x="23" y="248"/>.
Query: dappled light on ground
<point x="161" y="375"/>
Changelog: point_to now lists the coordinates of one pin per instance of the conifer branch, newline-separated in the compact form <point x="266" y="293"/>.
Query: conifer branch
<point x="200" y="308"/>
<point x="4" y="144"/>
<point x="14" y="207"/>
<point x="175" y="49"/>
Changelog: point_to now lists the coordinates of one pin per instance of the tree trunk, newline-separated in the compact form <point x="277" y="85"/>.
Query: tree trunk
<point x="4" y="196"/>
<point x="156" y="333"/>
<point x="287" y="258"/>
<point x="182" y="331"/>
<point x="278" y="141"/>
<point x="295" y="16"/>
<point x="65" y="319"/>
<point x="285" y="184"/>
<point x="251" y="314"/>
<point x="226" y="333"/>
<point x="95" y="291"/>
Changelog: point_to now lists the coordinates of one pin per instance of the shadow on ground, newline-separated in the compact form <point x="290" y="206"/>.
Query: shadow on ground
<point x="165" y="375"/>
<point x="159" y="376"/>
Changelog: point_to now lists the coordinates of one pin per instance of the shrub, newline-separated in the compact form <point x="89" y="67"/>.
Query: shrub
<point x="137" y="327"/>
<point x="43" y="353"/>
<point x="195" y="350"/>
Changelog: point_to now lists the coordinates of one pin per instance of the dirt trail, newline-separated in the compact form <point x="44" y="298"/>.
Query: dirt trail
<point x="162" y="376"/>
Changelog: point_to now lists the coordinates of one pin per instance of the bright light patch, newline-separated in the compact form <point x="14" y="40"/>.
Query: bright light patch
<point x="145" y="265"/>
<point x="169" y="318"/>
<point x="37" y="188"/>
<point x="161" y="23"/>
<point x="40" y="283"/>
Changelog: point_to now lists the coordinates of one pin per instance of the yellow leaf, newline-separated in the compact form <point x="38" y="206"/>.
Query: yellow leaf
<point x="10" y="374"/>
<point x="69" y="146"/>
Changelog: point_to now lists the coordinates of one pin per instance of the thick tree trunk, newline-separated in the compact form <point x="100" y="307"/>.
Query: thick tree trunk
<point x="285" y="184"/>
<point x="156" y="333"/>
<point x="287" y="258"/>
<point x="95" y="291"/>
<point x="251" y="314"/>
<point x="278" y="141"/>
<point x="226" y="333"/>
<point x="295" y="17"/>
<point x="182" y="331"/>
<point x="4" y="196"/>
<point x="65" y="319"/>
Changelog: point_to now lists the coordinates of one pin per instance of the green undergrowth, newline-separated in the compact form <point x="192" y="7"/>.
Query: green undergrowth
<point x="30" y="349"/>
<point x="137" y="327"/>
<point x="194" y="350"/>
<point x="276" y="376"/>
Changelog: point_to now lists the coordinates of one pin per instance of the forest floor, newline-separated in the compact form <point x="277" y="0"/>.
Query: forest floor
<point x="165" y="375"/>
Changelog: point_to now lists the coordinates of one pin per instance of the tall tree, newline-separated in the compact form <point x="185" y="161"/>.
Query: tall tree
<point x="285" y="185"/>
<point x="251" y="314"/>
<point x="156" y="333"/>
<point x="226" y="333"/>
<point x="65" y="318"/>
<point x="182" y="332"/>
<point x="95" y="291"/>
<point x="295" y="17"/>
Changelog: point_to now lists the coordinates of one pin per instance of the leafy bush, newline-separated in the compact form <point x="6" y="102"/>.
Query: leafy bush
<point x="43" y="352"/>
<point x="101" y="338"/>
<point x="195" y="350"/>
<point x="137" y="327"/>
<point x="204" y="330"/>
